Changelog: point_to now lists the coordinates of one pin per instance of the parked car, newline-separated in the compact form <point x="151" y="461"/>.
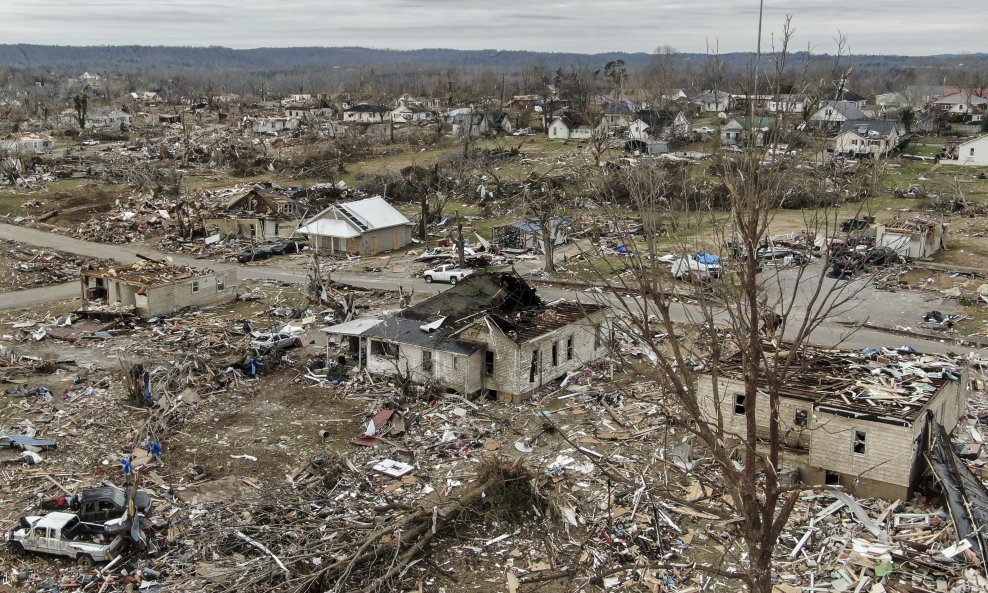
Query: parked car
<point x="704" y="130"/>
<point x="288" y="246"/>
<point x="265" y="342"/>
<point x="782" y="256"/>
<point x="699" y="265"/>
<point x="447" y="273"/>
<point x="97" y="505"/>
<point x="856" y="224"/>
<point x="781" y="149"/>
<point x="253" y="254"/>
<point x="61" y="534"/>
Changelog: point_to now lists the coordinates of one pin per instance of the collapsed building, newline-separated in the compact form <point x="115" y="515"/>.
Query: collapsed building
<point x="148" y="288"/>
<point x="913" y="238"/>
<point x="256" y="215"/>
<point x="854" y="419"/>
<point x="490" y="334"/>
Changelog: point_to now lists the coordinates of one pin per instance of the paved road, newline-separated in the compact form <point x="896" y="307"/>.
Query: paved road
<point x="829" y="334"/>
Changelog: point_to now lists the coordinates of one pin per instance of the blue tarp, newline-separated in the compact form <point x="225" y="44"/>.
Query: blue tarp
<point x="707" y="258"/>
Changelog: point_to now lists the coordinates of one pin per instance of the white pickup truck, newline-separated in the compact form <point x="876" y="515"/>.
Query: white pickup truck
<point x="60" y="534"/>
<point x="447" y="273"/>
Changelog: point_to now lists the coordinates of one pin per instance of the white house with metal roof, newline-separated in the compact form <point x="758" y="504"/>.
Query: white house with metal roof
<point x="363" y="227"/>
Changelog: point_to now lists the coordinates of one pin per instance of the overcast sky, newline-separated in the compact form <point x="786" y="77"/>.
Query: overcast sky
<point x="910" y="27"/>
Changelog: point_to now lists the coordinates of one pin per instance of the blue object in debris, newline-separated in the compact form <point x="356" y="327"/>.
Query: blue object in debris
<point x="253" y="366"/>
<point x="621" y="249"/>
<point x="127" y="469"/>
<point x="707" y="258"/>
<point x="336" y="381"/>
<point x="869" y="351"/>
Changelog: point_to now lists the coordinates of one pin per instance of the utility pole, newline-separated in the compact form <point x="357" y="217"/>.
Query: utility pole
<point x="459" y="240"/>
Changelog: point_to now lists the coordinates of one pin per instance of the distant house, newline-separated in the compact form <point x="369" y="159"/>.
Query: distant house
<point x="974" y="152"/>
<point x="28" y="143"/>
<point x="405" y="114"/>
<point x="109" y="118"/>
<point x="789" y="103"/>
<point x="959" y="103"/>
<point x="569" y="125"/>
<point x="364" y="227"/>
<point x="873" y="138"/>
<point x="156" y="288"/>
<point x="743" y="131"/>
<point x="307" y="114"/>
<point x="528" y="234"/>
<point x="913" y="237"/>
<point x="364" y="113"/>
<point x="892" y="101"/>
<point x="848" y="96"/>
<point x="491" y="123"/>
<point x="619" y="114"/>
<point x="490" y="334"/>
<point x="275" y="125"/>
<point x="713" y="101"/>
<point x="837" y="112"/>
<point x="651" y="123"/>
<point x="744" y="102"/>
<point x="675" y="95"/>
<point x="255" y="215"/>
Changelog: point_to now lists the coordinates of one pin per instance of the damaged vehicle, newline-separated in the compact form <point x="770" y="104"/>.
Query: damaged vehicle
<point x="265" y="342"/>
<point x="94" y="506"/>
<point x="62" y="534"/>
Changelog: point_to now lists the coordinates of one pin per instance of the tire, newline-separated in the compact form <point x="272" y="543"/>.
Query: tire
<point x="18" y="549"/>
<point x="452" y="280"/>
<point x="428" y="279"/>
<point x="84" y="560"/>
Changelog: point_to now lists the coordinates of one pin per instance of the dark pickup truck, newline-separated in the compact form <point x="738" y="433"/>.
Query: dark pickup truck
<point x="98" y="505"/>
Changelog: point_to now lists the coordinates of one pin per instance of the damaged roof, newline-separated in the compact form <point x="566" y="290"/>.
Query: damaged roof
<point x="146" y="273"/>
<point x="506" y="298"/>
<point x="886" y="383"/>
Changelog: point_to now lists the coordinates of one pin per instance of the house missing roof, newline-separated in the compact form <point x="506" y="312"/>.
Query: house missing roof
<point x="150" y="288"/>
<point x="856" y="419"/>
<point x="489" y="334"/>
<point x="912" y="238"/>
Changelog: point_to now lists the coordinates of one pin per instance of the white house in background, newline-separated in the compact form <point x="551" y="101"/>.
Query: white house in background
<point x="109" y="118"/>
<point x="405" y="114"/>
<point x="364" y="227"/>
<point x="960" y="103"/>
<point x="364" y="113"/>
<point x="275" y="125"/>
<point x="875" y="138"/>
<point x="788" y="103"/>
<point x="28" y="143"/>
<point x="913" y="237"/>
<point x="713" y="101"/>
<point x="570" y="125"/>
<point x="974" y="152"/>
<point x="835" y="112"/>
<point x="304" y="113"/>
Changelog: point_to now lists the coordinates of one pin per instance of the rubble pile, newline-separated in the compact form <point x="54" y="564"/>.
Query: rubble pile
<point x="30" y="267"/>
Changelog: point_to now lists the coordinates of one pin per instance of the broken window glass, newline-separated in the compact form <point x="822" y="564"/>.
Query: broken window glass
<point x="859" y="442"/>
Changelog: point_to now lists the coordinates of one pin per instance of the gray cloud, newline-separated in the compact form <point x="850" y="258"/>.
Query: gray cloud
<point x="911" y="27"/>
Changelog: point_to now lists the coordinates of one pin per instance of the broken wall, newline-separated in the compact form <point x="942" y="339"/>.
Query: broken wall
<point x="168" y="298"/>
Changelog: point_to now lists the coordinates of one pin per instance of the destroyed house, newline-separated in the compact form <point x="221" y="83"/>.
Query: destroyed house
<point x="489" y="334"/>
<point x="912" y="237"/>
<point x="854" y="419"/>
<point x="148" y="288"/>
<point x="363" y="227"/>
<point x="256" y="215"/>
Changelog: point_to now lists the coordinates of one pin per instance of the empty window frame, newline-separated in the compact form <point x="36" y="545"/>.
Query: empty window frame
<point x="534" y="368"/>
<point x="739" y="408"/>
<point x="569" y="348"/>
<point x="426" y="360"/>
<point x="860" y="445"/>
<point x="802" y="418"/>
<point x="555" y="354"/>
<point x="220" y="284"/>
<point x="488" y="363"/>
